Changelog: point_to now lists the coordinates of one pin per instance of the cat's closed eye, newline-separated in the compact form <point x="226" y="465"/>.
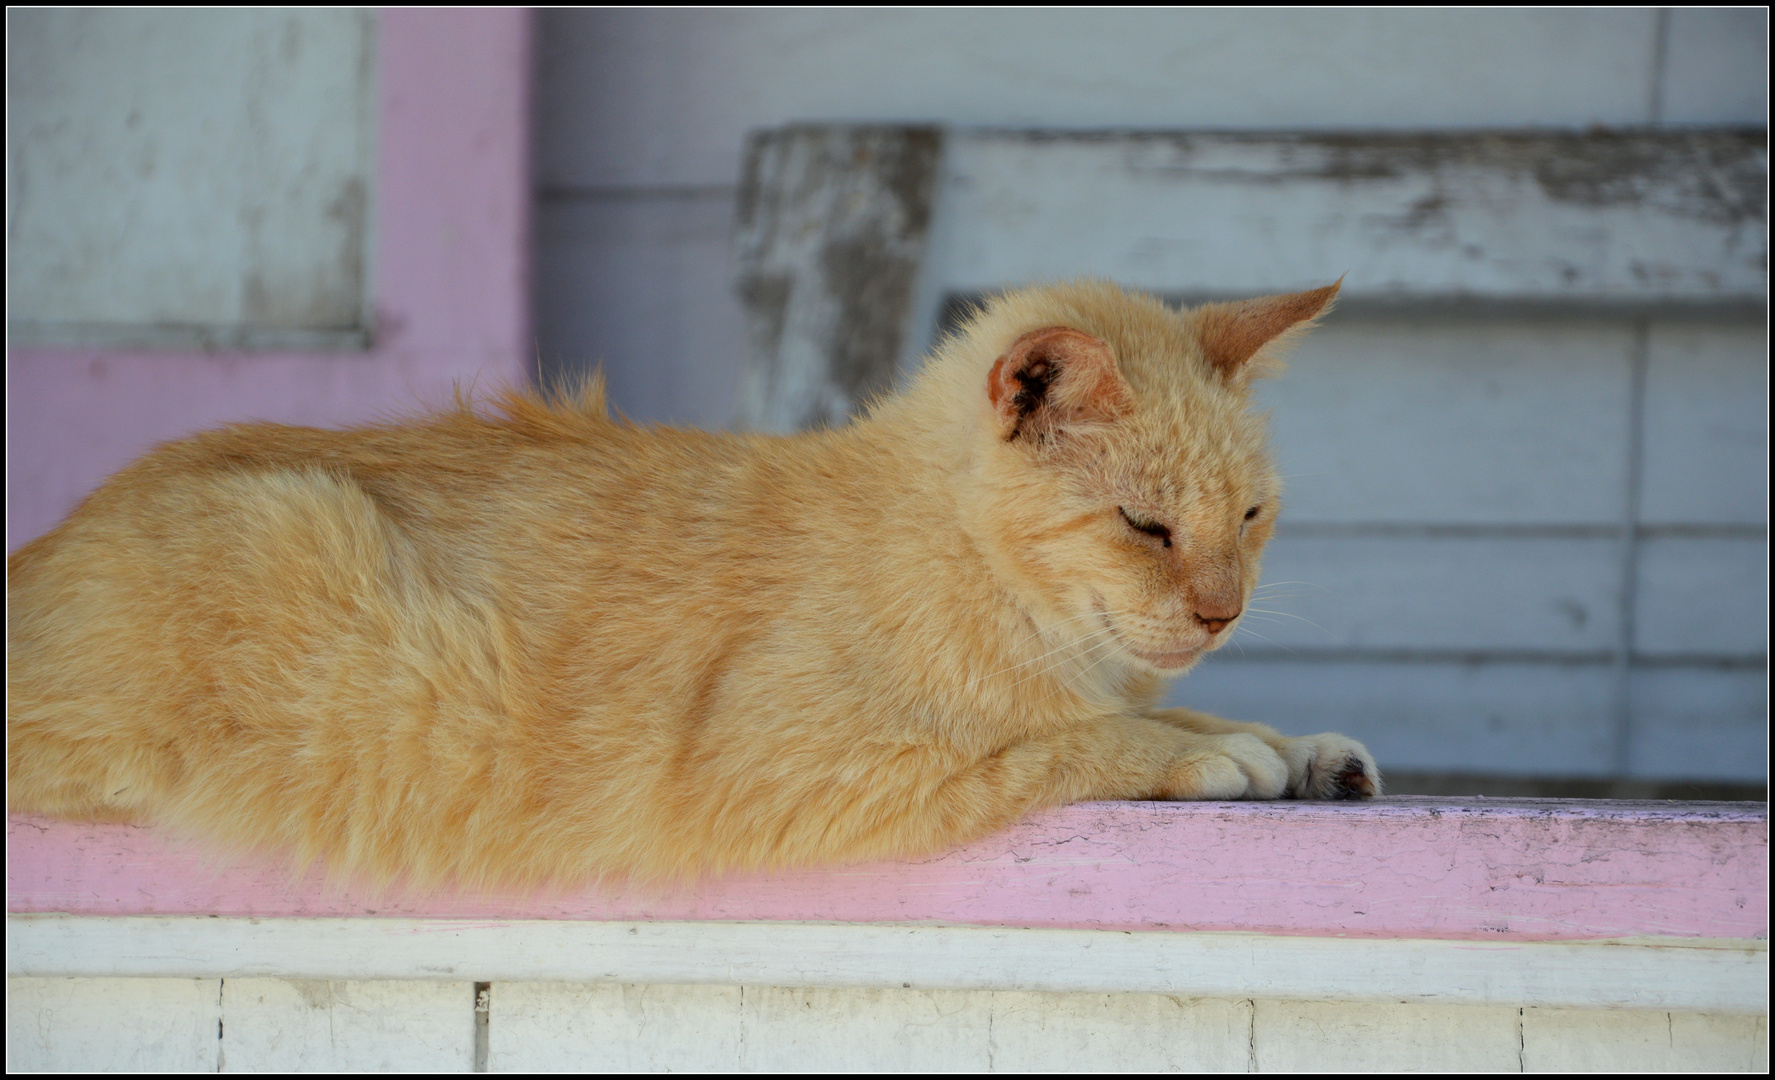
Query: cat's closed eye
<point x="1252" y="513"/>
<point x="1150" y="528"/>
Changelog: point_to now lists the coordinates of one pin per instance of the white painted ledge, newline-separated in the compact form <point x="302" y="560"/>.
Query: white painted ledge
<point x="1694" y="976"/>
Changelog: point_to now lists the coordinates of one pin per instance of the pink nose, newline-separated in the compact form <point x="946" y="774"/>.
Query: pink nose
<point x="1214" y="624"/>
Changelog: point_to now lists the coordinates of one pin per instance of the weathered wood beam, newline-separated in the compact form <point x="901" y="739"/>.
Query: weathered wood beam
<point x="1597" y="219"/>
<point x="829" y="239"/>
<point x="835" y="241"/>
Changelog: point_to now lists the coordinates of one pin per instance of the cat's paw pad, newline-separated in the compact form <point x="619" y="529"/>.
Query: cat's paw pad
<point x="1330" y="766"/>
<point x="1229" y="767"/>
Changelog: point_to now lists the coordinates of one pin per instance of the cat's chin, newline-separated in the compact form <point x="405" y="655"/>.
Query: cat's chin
<point x="1170" y="661"/>
<point x="1165" y="661"/>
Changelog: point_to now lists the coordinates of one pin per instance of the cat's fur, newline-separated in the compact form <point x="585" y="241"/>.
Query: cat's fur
<point x="546" y="645"/>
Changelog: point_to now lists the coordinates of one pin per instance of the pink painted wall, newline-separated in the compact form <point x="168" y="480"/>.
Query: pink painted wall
<point x="452" y="285"/>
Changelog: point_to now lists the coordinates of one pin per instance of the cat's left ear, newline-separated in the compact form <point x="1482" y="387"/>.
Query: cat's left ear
<point x="1050" y="378"/>
<point x="1238" y="338"/>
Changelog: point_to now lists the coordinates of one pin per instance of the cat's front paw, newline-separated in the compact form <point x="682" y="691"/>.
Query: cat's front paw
<point x="1228" y="767"/>
<point x="1330" y="766"/>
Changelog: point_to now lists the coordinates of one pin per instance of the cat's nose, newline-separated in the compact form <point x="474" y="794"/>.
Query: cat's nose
<point x="1215" y="622"/>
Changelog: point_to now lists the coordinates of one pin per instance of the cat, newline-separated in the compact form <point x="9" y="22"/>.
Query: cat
<point x="539" y="644"/>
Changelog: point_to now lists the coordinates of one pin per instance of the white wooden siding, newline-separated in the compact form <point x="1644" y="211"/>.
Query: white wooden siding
<point x="322" y="1025"/>
<point x="1706" y="451"/>
<point x="660" y="98"/>
<point x="114" y="1024"/>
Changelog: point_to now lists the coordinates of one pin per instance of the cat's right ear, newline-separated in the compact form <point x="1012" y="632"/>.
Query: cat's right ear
<point x="1241" y="339"/>
<point x="1052" y="377"/>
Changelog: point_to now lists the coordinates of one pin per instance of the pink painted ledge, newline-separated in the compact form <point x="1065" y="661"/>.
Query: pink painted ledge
<point x="1404" y="867"/>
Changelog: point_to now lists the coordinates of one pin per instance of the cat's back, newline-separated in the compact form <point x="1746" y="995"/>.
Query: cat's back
<point x="460" y="492"/>
<point x="263" y="594"/>
<point x="573" y="531"/>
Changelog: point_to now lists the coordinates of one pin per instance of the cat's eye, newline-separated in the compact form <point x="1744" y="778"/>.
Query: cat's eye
<point x="1150" y="528"/>
<point x="1251" y="513"/>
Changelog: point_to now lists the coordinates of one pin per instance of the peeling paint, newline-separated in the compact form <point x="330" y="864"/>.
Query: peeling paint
<point x="1665" y="217"/>
<point x="830" y="237"/>
<point x="191" y="179"/>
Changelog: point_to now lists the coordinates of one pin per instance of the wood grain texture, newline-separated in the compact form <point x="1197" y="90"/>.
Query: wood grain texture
<point x="1601" y="218"/>
<point x="1500" y="869"/>
<point x="829" y="239"/>
<point x="604" y="1027"/>
<point x="1711" y="976"/>
<point x="112" y="1025"/>
<point x="320" y="1025"/>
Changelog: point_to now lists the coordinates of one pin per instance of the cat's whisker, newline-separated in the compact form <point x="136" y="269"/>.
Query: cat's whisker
<point x="1102" y="638"/>
<point x="1291" y="615"/>
<point x="1040" y="634"/>
<point x="1279" y="584"/>
<point x="1063" y="647"/>
<point x="1081" y="674"/>
<point x="1262" y="637"/>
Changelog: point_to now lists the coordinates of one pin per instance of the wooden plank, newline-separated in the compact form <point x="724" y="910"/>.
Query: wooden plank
<point x="1610" y="219"/>
<point x="1589" y="1040"/>
<point x="1550" y="595"/>
<point x="845" y="233"/>
<point x="882" y="1030"/>
<point x="829" y="239"/>
<point x="1308" y="1036"/>
<point x="606" y="1027"/>
<point x="112" y="1025"/>
<point x="1500" y="869"/>
<point x="613" y="1027"/>
<point x="1693" y="976"/>
<point x="323" y="1025"/>
<point x="1448" y="421"/>
<point x="1127" y="1033"/>
<point x="1706" y="425"/>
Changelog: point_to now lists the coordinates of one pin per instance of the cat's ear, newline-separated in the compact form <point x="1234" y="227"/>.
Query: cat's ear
<point x="1237" y="338"/>
<point x="1050" y="378"/>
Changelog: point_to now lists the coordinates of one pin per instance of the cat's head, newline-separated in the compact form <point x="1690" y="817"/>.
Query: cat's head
<point x="1121" y="482"/>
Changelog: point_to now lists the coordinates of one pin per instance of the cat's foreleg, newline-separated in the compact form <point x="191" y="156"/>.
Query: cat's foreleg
<point x="930" y="797"/>
<point x="1324" y="766"/>
<point x="1126" y="758"/>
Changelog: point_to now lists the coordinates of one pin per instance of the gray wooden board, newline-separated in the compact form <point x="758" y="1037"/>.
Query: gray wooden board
<point x="1606" y="218"/>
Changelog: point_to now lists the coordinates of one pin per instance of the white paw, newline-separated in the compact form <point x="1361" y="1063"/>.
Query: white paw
<point x="1229" y="767"/>
<point x="1330" y="766"/>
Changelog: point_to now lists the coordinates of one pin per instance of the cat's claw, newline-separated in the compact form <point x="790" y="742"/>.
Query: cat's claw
<point x="1330" y="766"/>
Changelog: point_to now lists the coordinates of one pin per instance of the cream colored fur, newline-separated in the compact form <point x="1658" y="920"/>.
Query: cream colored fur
<point x="543" y="645"/>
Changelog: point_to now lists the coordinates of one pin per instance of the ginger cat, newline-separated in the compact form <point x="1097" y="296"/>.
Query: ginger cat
<point x="544" y="645"/>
